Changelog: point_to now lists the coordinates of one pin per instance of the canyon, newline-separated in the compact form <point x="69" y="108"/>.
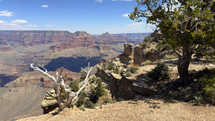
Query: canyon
<point x="20" y="48"/>
<point x="54" y="49"/>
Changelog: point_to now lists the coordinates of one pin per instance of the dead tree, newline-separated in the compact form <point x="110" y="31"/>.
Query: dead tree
<point x="61" y="88"/>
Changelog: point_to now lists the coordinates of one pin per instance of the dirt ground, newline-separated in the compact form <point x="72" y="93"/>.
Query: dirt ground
<point x="142" y="110"/>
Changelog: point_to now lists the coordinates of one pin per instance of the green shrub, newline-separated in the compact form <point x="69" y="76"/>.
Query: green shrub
<point x="125" y="66"/>
<point x="83" y="75"/>
<point x="64" y="96"/>
<point x="82" y="108"/>
<point x="100" y="89"/>
<point x="110" y="66"/>
<point x="209" y="88"/>
<point x="133" y="69"/>
<point x="160" y="72"/>
<point x="89" y="104"/>
<point x="128" y="74"/>
<point x="74" y="86"/>
<point x="81" y="99"/>
<point x="116" y="70"/>
<point x="97" y="92"/>
<point x="203" y="74"/>
<point x="204" y="85"/>
<point x="103" y="65"/>
<point x="92" y="80"/>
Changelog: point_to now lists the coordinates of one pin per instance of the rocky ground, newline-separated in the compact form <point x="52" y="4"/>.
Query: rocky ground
<point x="141" y="110"/>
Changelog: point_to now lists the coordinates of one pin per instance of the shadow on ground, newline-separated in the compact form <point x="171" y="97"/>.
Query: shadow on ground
<point x="72" y="64"/>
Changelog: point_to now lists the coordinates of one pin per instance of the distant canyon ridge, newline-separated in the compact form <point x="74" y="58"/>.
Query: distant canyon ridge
<point x="56" y="49"/>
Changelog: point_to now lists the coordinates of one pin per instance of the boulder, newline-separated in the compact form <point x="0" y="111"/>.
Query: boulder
<point x="138" y="55"/>
<point x="148" y="52"/>
<point x="143" y="89"/>
<point x="127" y="56"/>
<point x="128" y="49"/>
<point x="49" y="104"/>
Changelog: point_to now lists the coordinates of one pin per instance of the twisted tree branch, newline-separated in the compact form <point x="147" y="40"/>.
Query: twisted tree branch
<point x="60" y="87"/>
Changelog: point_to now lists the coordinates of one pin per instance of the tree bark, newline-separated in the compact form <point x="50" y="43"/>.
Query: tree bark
<point x="183" y="64"/>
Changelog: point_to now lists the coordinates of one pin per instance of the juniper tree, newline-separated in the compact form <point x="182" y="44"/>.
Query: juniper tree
<point x="187" y="27"/>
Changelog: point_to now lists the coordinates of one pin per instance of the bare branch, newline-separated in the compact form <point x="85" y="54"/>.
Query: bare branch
<point x="61" y="88"/>
<point x="44" y="72"/>
<point x="83" y="70"/>
<point x="83" y="86"/>
<point x="179" y="56"/>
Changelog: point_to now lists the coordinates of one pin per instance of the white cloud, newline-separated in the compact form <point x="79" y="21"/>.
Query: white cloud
<point x="19" y="21"/>
<point x="31" y="26"/>
<point x="16" y="25"/>
<point x="136" y="24"/>
<point x="132" y="28"/>
<point x="2" y="22"/>
<point x="50" y="25"/>
<point x="125" y="15"/>
<point x="99" y="1"/>
<point x="6" y="13"/>
<point x="10" y="26"/>
<point x="44" y="6"/>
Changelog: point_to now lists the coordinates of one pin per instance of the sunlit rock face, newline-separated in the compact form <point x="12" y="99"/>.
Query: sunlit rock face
<point x="127" y="56"/>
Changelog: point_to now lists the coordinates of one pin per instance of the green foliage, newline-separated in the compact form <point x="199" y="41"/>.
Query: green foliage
<point x="133" y="69"/>
<point x="205" y="81"/>
<point x="208" y="83"/>
<point x="92" y="80"/>
<point x="188" y="29"/>
<point x="116" y="70"/>
<point x="103" y="65"/>
<point x="82" y="108"/>
<point x="110" y="66"/>
<point x="147" y="39"/>
<point x="209" y="89"/>
<point x="83" y="75"/>
<point x="108" y="100"/>
<point x="81" y="99"/>
<point x="89" y="104"/>
<point x="98" y="91"/>
<point x="128" y="74"/>
<point x="74" y="86"/>
<point x="125" y="66"/>
<point x="160" y="72"/>
<point x="64" y="96"/>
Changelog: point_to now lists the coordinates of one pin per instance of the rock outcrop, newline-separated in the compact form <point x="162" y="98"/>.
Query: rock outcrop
<point x="148" y="52"/>
<point x="138" y="55"/>
<point x="124" y="87"/>
<point x="127" y="56"/>
<point x="49" y="104"/>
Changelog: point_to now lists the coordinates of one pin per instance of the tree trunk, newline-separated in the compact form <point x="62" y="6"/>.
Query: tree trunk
<point x="183" y="64"/>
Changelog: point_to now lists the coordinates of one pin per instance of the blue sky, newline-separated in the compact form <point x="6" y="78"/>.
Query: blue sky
<point x="93" y="16"/>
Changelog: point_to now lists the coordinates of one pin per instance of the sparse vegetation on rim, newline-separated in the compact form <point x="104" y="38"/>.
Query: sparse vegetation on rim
<point x="159" y="73"/>
<point x="188" y="29"/>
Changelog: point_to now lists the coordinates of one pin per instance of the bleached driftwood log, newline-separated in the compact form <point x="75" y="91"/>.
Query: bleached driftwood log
<point x="61" y="88"/>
